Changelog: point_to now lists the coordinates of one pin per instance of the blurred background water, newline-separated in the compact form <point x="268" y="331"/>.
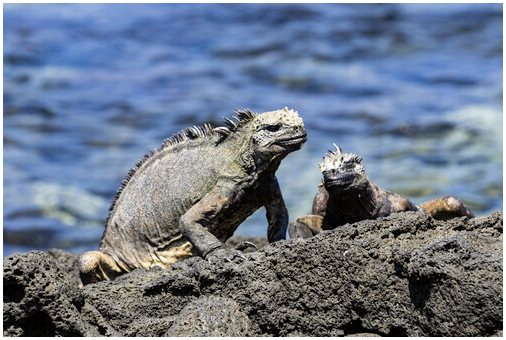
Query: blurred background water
<point x="89" y="89"/>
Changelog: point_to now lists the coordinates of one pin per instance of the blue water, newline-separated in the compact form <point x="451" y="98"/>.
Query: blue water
<point x="88" y="89"/>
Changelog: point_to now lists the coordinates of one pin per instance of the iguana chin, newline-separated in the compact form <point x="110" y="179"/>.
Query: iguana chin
<point x="190" y="195"/>
<point x="348" y="196"/>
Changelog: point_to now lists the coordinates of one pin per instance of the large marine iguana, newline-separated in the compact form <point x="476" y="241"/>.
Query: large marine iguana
<point x="190" y="195"/>
<point x="348" y="196"/>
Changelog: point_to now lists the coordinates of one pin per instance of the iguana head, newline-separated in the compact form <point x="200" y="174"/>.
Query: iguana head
<point x="267" y="137"/>
<point x="277" y="133"/>
<point x="343" y="172"/>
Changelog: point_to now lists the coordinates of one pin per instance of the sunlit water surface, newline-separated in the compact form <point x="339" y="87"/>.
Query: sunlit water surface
<point x="89" y="89"/>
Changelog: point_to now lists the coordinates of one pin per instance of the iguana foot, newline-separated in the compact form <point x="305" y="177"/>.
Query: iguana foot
<point x="95" y="266"/>
<point x="241" y="246"/>
<point x="305" y="226"/>
<point x="223" y="254"/>
<point x="446" y="208"/>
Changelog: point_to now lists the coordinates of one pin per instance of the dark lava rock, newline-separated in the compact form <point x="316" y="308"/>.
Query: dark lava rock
<point x="211" y="316"/>
<point x="402" y="275"/>
<point x="40" y="299"/>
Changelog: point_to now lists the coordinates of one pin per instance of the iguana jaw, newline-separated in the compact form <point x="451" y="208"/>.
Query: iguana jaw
<point x="293" y="141"/>
<point x="341" y="180"/>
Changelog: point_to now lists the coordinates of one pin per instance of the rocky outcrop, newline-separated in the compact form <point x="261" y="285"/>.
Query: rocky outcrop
<point x="403" y="275"/>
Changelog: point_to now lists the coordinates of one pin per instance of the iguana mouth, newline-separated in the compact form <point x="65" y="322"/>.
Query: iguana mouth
<point x="299" y="139"/>
<point x="342" y="180"/>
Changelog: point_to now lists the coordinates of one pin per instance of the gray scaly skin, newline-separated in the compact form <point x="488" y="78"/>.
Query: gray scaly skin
<point x="190" y="195"/>
<point x="348" y="196"/>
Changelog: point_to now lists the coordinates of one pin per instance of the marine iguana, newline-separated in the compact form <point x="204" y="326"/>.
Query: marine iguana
<point x="190" y="195"/>
<point x="348" y="196"/>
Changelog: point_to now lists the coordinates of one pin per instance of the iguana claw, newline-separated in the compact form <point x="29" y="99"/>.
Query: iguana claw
<point x="245" y="245"/>
<point x="228" y="255"/>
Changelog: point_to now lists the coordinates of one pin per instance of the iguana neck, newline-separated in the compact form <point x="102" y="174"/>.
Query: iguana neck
<point x="239" y="147"/>
<point x="351" y="206"/>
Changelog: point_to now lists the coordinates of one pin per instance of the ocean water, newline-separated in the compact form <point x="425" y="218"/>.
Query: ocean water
<point x="89" y="89"/>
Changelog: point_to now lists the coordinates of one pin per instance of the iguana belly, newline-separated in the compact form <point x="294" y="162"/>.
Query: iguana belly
<point x="165" y="257"/>
<point x="149" y="255"/>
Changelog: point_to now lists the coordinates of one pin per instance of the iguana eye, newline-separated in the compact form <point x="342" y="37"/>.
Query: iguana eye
<point x="273" y="128"/>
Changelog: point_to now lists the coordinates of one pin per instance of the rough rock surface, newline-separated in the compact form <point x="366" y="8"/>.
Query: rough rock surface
<point x="211" y="316"/>
<point x="405" y="274"/>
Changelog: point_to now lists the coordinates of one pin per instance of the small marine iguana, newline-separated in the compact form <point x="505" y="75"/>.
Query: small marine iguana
<point x="190" y="195"/>
<point x="348" y="196"/>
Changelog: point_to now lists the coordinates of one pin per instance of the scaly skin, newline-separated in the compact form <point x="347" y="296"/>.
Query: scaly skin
<point x="189" y="196"/>
<point x="348" y="196"/>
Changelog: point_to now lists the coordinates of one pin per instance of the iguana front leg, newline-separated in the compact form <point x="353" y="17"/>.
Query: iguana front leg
<point x="194" y="222"/>
<point x="277" y="215"/>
